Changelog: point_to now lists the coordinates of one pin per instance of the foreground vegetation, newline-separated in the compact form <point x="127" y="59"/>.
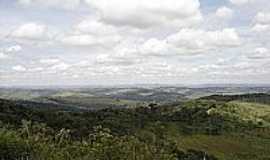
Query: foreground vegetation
<point x="194" y="130"/>
<point x="35" y="141"/>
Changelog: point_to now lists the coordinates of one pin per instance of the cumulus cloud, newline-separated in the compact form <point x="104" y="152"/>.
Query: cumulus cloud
<point x="262" y="22"/>
<point x="91" y="32"/>
<point x="6" y="51"/>
<point x="260" y="53"/>
<point x="19" y="68"/>
<point x="121" y="55"/>
<point x="134" y="39"/>
<point x="79" y="40"/>
<point x="52" y="65"/>
<point x="90" y="40"/>
<point x="186" y="41"/>
<point x="3" y="55"/>
<point x="263" y="18"/>
<point x="49" y="61"/>
<point x="36" y="69"/>
<point x="260" y="28"/>
<point x="11" y="49"/>
<point x="191" y="40"/>
<point x="224" y="12"/>
<point x="60" y="66"/>
<point x="110" y="60"/>
<point x="154" y="46"/>
<point x="94" y="27"/>
<point x="142" y="14"/>
<point x="31" y="30"/>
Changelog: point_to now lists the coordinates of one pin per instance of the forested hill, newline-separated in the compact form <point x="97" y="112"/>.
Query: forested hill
<point x="38" y="105"/>
<point x="254" y="97"/>
<point x="191" y="130"/>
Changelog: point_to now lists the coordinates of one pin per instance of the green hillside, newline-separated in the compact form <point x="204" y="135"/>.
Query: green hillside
<point x="255" y="97"/>
<point x="191" y="130"/>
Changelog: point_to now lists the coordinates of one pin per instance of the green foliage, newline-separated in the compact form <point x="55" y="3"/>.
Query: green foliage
<point x="11" y="146"/>
<point x="253" y="97"/>
<point x="31" y="141"/>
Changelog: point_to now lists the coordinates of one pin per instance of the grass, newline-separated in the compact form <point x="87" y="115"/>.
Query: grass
<point x="228" y="147"/>
<point x="248" y="145"/>
<point x="248" y="112"/>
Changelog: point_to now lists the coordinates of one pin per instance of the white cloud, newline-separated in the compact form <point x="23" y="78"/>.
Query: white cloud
<point x="6" y="51"/>
<point x="83" y="63"/>
<point x="151" y="40"/>
<point x="49" y="61"/>
<point x="75" y="76"/>
<point x="15" y="48"/>
<point x="224" y="12"/>
<point x="260" y="53"/>
<point x="239" y="2"/>
<point x="95" y="27"/>
<point x="91" y="32"/>
<point x="262" y="22"/>
<point x="260" y="28"/>
<point x="65" y="4"/>
<point x="36" y="69"/>
<point x="143" y="14"/>
<point x="154" y="46"/>
<point x="3" y="55"/>
<point x="261" y="50"/>
<point x="262" y="18"/>
<point x="19" y="68"/>
<point x="30" y="31"/>
<point x="90" y="40"/>
<point x="60" y="67"/>
<point x="123" y="57"/>
<point x="191" y="40"/>
<point x="185" y="41"/>
<point x="79" y="40"/>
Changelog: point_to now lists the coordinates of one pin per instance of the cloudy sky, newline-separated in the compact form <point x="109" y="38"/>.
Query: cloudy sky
<point x="89" y="42"/>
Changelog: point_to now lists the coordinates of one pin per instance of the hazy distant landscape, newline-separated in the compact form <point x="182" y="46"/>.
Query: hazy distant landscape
<point x="120" y="97"/>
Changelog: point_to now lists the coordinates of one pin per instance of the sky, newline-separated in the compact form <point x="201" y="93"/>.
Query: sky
<point x="105" y="42"/>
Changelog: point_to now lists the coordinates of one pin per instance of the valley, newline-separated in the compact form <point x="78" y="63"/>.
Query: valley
<point x="135" y="123"/>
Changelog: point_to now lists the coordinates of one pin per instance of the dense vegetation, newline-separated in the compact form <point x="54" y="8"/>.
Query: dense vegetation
<point x="255" y="97"/>
<point x="37" y="141"/>
<point x="192" y="130"/>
